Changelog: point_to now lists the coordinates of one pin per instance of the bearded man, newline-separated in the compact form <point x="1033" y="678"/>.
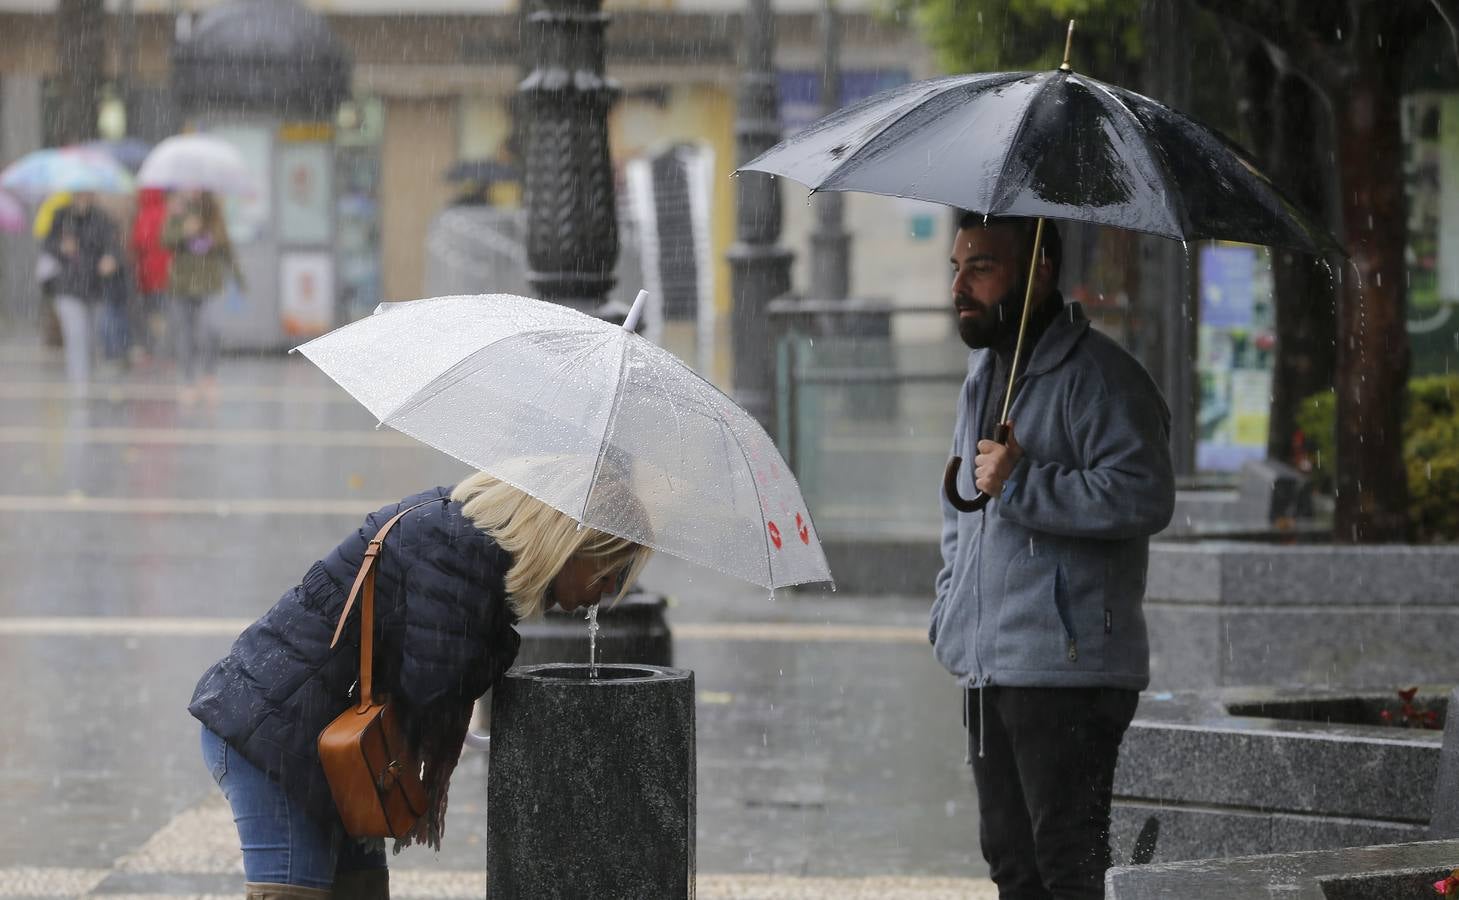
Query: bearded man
<point x="1038" y="610"/>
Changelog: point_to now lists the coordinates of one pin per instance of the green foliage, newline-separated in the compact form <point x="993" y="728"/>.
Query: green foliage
<point x="997" y="35"/>
<point x="1430" y="452"/>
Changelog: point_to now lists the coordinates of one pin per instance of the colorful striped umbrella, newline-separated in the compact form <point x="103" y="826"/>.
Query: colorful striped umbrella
<point x="12" y="214"/>
<point x="44" y="172"/>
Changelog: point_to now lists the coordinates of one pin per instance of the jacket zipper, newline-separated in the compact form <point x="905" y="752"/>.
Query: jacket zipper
<point x="1061" y="606"/>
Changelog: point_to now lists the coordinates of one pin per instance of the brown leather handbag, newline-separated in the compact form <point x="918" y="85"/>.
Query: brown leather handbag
<point x="374" y="779"/>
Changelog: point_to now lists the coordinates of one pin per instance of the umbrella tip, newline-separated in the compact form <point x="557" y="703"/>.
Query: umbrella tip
<point x="636" y="313"/>
<point x="1068" y="45"/>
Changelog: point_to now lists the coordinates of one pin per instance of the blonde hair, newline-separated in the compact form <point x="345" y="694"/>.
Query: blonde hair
<point x="541" y="540"/>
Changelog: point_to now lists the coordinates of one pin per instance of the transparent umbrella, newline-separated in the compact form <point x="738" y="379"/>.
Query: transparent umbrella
<point x="198" y="162"/>
<point x="581" y="413"/>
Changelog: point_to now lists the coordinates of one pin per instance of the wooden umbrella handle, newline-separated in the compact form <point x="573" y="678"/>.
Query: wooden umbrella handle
<point x="949" y="477"/>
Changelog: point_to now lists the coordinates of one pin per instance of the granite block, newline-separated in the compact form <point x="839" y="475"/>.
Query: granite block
<point x="591" y="784"/>
<point x="1444" y="820"/>
<point x="1186" y="748"/>
<point x="1208" y="832"/>
<point x="1184" y="573"/>
<point x="1268" y="490"/>
<point x="1374" y="646"/>
<point x="1186" y="646"/>
<point x="1187" y="833"/>
<point x="1355" y="873"/>
<point x="1227" y="613"/>
<point x="1242" y="572"/>
<point x="1193" y="507"/>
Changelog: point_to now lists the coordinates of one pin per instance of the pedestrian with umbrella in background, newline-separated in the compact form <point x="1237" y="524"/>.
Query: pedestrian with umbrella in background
<point x="152" y="267"/>
<point x="196" y="237"/>
<point x="85" y="244"/>
<point x="82" y="257"/>
<point x="197" y="169"/>
<point x="1038" y="605"/>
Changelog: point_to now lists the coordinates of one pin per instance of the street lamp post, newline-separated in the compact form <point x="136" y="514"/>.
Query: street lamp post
<point x="572" y="225"/>
<point x="830" y="244"/>
<point x="759" y="269"/>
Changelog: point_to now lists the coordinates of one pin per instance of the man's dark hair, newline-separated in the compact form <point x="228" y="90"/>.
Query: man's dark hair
<point x="1053" y="245"/>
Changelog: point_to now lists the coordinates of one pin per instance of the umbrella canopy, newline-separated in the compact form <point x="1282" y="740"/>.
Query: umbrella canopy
<point x="197" y="162"/>
<point x="12" y="214"/>
<point x="127" y="151"/>
<point x="74" y="169"/>
<point x="1053" y="144"/>
<point x="588" y="417"/>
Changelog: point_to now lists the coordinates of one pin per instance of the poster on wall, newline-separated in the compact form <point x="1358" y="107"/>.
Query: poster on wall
<point x="306" y="293"/>
<point x="1234" y="356"/>
<point x="305" y="192"/>
<point x="247" y="216"/>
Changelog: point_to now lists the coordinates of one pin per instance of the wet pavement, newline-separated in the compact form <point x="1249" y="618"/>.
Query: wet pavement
<point x="139" y="533"/>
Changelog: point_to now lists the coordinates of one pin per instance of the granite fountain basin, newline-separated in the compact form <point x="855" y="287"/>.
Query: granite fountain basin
<point x="590" y="790"/>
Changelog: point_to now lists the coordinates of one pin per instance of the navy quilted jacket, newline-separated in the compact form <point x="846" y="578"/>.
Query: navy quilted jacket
<point x="443" y="636"/>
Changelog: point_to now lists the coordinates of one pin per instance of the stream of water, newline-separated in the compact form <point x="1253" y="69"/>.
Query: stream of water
<point x="593" y="641"/>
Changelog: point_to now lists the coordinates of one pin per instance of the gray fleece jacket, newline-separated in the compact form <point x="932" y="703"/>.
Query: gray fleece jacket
<point x="1043" y="587"/>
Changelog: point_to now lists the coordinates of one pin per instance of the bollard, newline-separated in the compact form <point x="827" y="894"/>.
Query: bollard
<point x="590" y="788"/>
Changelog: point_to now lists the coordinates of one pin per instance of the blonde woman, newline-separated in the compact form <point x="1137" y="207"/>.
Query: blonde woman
<point x="456" y="574"/>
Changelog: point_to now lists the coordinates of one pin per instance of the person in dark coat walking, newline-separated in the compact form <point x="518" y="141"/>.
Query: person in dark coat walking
<point x="84" y="243"/>
<point x="454" y="576"/>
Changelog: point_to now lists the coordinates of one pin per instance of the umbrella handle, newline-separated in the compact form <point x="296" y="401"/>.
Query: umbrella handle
<point x="949" y="478"/>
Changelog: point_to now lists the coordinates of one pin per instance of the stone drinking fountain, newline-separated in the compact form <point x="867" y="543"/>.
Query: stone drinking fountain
<point x="591" y="783"/>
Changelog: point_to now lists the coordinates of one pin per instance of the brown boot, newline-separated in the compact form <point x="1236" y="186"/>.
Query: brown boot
<point x="362" y="884"/>
<point x="285" y="892"/>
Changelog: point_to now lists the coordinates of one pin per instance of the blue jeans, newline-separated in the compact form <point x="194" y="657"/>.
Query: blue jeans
<point x="281" y="843"/>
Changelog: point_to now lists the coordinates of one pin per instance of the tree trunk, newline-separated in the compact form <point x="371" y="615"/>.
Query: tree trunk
<point x="1372" y="351"/>
<point x="1305" y="302"/>
<point x="80" y="69"/>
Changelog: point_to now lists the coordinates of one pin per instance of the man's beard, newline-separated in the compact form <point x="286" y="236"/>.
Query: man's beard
<point x="989" y="329"/>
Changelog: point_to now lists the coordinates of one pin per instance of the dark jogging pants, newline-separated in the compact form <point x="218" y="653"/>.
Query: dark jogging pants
<point x="1043" y="761"/>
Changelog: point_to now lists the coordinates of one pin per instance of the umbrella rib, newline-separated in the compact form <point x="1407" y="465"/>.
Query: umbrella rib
<point x="759" y="502"/>
<point x="1174" y="202"/>
<point x="873" y="131"/>
<point x="855" y="160"/>
<point x="607" y="428"/>
<point x="456" y="370"/>
<point x="662" y="385"/>
<point x="728" y="430"/>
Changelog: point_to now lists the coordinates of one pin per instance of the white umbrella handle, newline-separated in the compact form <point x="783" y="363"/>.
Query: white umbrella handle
<point x="636" y="313"/>
<point x="477" y="741"/>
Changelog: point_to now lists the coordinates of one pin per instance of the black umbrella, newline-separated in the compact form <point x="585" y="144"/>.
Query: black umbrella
<point x="1042" y="145"/>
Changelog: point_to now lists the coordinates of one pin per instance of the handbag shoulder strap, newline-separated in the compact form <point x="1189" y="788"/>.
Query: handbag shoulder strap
<point x="364" y="588"/>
